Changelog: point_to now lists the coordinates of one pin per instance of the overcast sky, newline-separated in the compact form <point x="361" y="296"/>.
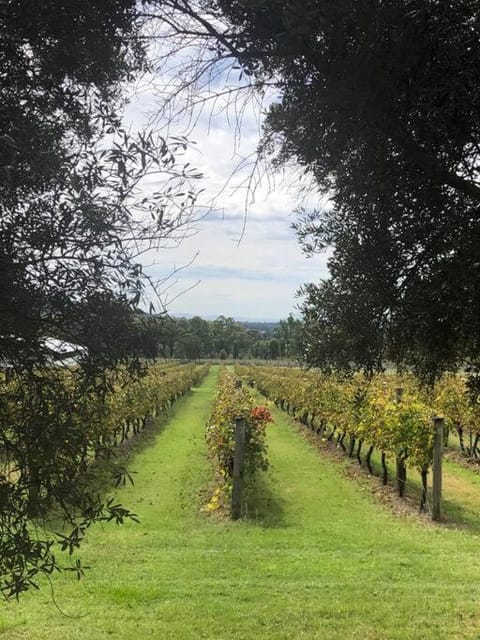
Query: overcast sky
<point x="244" y="260"/>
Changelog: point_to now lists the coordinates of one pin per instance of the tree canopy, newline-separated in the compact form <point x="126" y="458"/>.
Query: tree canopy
<point x="378" y="101"/>
<point x="73" y="224"/>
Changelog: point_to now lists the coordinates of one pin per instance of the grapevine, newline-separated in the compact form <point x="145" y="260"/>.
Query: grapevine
<point x="358" y="414"/>
<point x="234" y="401"/>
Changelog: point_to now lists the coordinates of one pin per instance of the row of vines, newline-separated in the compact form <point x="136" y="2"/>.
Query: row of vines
<point x="88" y="424"/>
<point x="129" y="408"/>
<point x="57" y="426"/>
<point x="388" y="413"/>
<point x="234" y="403"/>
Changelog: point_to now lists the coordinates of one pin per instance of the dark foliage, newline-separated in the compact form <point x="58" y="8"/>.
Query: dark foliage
<point x="379" y="101"/>
<point x="73" y="223"/>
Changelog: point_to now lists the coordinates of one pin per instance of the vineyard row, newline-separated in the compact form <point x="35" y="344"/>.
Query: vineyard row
<point x="235" y="408"/>
<point x="390" y="414"/>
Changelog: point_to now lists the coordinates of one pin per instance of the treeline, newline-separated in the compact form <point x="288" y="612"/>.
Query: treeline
<point x="224" y="338"/>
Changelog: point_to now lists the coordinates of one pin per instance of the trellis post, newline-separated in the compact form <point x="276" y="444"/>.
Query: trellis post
<point x="438" y="424"/>
<point x="238" y="463"/>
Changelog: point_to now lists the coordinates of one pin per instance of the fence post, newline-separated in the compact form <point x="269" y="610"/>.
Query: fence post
<point x="238" y="461"/>
<point x="437" y="468"/>
<point x="400" y="464"/>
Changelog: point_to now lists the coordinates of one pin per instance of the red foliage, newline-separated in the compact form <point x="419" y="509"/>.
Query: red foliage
<point x="261" y="414"/>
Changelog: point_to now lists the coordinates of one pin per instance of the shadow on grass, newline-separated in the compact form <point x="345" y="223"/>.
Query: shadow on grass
<point x="455" y="514"/>
<point x="101" y="476"/>
<point x="105" y="475"/>
<point x="263" y="505"/>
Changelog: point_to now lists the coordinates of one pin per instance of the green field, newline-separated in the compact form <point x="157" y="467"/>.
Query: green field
<point x="316" y="556"/>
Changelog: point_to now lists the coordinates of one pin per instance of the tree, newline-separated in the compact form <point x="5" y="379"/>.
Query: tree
<point x="73" y="223"/>
<point x="200" y="328"/>
<point x="378" y="101"/>
<point x="260" y="349"/>
<point x="147" y="334"/>
<point x="290" y="336"/>
<point x="188" y="342"/>
<point x="339" y="335"/>
<point x="223" y="330"/>
<point x="273" y="349"/>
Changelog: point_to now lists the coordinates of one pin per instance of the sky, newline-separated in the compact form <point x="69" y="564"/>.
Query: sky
<point x="242" y="259"/>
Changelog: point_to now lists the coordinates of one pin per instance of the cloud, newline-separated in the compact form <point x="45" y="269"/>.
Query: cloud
<point x="248" y="262"/>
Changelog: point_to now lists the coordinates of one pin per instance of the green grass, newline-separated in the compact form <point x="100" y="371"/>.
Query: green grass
<point x="460" y="490"/>
<point x="315" y="557"/>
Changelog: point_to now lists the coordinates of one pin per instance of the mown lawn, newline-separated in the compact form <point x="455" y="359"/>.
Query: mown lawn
<point x="316" y="557"/>
<point x="460" y="487"/>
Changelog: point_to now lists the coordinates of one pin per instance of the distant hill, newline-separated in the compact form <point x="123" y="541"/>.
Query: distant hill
<point x="261" y="327"/>
<point x="250" y="322"/>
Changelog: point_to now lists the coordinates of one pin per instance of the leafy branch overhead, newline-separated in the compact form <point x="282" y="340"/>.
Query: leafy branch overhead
<point x="74" y="222"/>
<point x="378" y="102"/>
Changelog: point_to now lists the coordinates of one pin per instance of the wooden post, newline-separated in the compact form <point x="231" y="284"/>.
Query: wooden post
<point x="423" y="499"/>
<point x="238" y="460"/>
<point x="384" y="468"/>
<point x="400" y="463"/>
<point x="437" y="468"/>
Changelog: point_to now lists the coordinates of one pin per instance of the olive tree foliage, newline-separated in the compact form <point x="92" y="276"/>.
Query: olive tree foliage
<point x="378" y="100"/>
<point x="74" y="221"/>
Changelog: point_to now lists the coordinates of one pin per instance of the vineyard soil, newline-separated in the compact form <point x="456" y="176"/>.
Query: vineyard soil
<point x="316" y="557"/>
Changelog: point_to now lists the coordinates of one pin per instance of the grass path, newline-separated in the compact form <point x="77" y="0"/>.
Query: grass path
<point x="460" y="491"/>
<point x="316" y="558"/>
